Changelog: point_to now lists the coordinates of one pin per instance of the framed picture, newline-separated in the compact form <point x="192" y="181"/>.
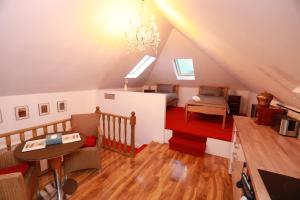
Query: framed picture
<point x="22" y="112"/>
<point x="44" y="109"/>
<point x="1" y="119"/>
<point x="61" y="106"/>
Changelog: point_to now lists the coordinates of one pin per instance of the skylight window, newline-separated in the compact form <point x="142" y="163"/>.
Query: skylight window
<point x="141" y="66"/>
<point x="184" y="69"/>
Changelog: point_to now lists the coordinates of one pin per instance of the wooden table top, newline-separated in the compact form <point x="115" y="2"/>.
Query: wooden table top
<point x="266" y="149"/>
<point x="51" y="151"/>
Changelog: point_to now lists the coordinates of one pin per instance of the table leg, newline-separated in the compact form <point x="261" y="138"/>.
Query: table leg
<point x="224" y="121"/>
<point x="186" y="113"/>
<point x="55" y="164"/>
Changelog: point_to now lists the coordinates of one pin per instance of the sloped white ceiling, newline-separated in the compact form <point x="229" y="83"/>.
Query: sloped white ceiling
<point x="207" y="70"/>
<point x="257" y="41"/>
<point x="53" y="45"/>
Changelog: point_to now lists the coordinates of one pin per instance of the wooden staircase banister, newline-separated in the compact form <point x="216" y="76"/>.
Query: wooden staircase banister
<point x="33" y="130"/>
<point x="33" y="127"/>
<point x="114" y="127"/>
<point x="118" y="142"/>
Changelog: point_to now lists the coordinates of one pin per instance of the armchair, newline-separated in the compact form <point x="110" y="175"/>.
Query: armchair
<point x="15" y="185"/>
<point x="86" y="157"/>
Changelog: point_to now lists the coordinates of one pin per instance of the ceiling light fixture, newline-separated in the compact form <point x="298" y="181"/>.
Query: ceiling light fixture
<point x="143" y="33"/>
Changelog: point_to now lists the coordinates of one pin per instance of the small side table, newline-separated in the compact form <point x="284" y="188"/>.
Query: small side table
<point x="234" y="103"/>
<point x="53" y="153"/>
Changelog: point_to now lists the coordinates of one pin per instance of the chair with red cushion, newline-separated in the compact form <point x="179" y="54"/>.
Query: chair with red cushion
<point x="87" y="157"/>
<point x="18" y="179"/>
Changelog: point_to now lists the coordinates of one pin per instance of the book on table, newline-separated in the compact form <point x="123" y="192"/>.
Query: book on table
<point x="68" y="138"/>
<point x="42" y="143"/>
<point x="54" y="139"/>
<point x="34" y="145"/>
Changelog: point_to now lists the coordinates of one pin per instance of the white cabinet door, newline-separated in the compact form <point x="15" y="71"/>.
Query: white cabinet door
<point x="236" y="164"/>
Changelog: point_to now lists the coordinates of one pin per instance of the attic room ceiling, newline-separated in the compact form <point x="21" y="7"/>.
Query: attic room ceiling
<point x="52" y="46"/>
<point x="207" y="70"/>
<point x="256" y="41"/>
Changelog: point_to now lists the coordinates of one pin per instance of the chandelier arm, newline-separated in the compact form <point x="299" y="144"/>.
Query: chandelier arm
<point x="143" y="35"/>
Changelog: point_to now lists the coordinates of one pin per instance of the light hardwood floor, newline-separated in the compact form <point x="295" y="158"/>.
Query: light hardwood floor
<point x="155" y="173"/>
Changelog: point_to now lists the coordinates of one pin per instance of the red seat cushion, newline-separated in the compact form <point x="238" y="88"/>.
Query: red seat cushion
<point x="23" y="167"/>
<point x="90" y="141"/>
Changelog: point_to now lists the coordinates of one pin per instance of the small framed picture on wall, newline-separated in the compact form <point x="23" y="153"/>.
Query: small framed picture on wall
<point x="61" y="106"/>
<point x="1" y="119"/>
<point x="22" y="112"/>
<point x="44" y="109"/>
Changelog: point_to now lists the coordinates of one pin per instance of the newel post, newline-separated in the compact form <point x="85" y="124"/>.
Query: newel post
<point x="99" y="132"/>
<point x="98" y="110"/>
<point x="132" y="124"/>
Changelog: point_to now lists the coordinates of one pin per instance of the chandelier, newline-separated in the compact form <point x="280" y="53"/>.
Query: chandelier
<point x="143" y="33"/>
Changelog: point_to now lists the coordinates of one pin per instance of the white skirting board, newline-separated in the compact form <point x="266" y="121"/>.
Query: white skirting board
<point x="218" y="147"/>
<point x="167" y="135"/>
<point x="213" y="146"/>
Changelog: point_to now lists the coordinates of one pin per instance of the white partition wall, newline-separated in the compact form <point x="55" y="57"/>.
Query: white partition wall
<point x="150" y="109"/>
<point x="76" y="102"/>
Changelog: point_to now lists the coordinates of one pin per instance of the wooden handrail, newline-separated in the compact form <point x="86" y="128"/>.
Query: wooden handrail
<point x="112" y="142"/>
<point x="33" y="127"/>
<point x="115" y="134"/>
<point x="33" y="130"/>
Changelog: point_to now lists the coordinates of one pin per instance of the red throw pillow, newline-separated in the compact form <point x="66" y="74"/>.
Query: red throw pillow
<point x="23" y="167"/>
<point x="90" y="141"/>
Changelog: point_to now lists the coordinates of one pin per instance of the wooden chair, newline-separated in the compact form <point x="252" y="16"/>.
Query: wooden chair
<point x="87" y="157"/>
<point x="15" y="185"/>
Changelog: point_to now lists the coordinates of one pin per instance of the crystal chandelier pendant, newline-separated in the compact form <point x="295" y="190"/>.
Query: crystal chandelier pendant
<point x="142" y="35"/>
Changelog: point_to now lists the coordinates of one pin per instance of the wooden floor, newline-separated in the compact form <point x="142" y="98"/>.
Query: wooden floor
<point x="155" y="173"/>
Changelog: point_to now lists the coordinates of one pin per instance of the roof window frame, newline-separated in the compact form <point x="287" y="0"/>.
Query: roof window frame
<point x="140" y="67"/>
<point x="179" y="74"/>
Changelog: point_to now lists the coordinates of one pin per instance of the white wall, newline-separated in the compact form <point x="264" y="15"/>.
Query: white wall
<point x="77" y="102"/>
<point x="244" y="107"/>
<point x="149" y="109"/>
<point x="290" y="112"/>
<point x="218" y="147"/>
<point x="251" y="100"/>
<point x="150" y="112"/>
<point x="207" y="70"/>
<point x="185" y="94"/>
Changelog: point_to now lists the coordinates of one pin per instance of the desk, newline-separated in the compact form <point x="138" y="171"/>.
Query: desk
<point x="53" y="153"/>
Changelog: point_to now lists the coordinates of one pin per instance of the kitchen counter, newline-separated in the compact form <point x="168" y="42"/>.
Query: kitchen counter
<point x="265" y="149"/>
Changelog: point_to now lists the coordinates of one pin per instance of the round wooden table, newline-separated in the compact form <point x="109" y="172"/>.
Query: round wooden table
<point x="53" y="153"/>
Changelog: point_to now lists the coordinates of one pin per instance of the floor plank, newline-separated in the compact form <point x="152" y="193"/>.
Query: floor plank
<point x="155" y="173"/>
